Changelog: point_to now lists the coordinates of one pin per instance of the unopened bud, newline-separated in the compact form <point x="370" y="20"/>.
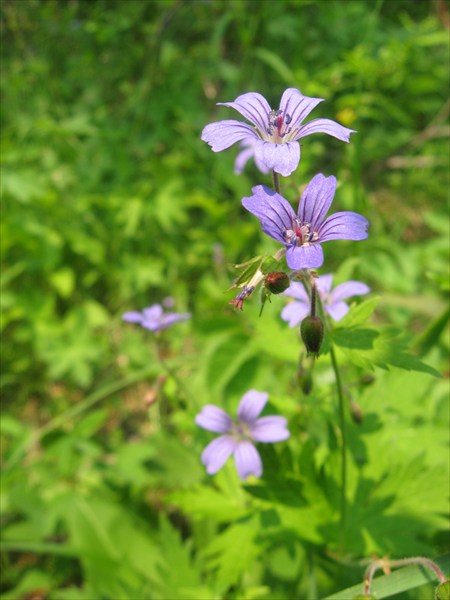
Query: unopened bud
<point x="442" y="592"/>
<point x="277" y="281"/>
<point x="367" y="379"/>
<point x="311" y="330"/>
<point x="357" y="413"/>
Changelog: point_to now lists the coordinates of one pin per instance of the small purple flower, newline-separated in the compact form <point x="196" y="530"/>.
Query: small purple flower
<point x="275" y="132"/>
<point x="332" y="301"/>
<point x="302" y="234"/>
<point x="237" y="438"/>
<point x="154" y="317"/>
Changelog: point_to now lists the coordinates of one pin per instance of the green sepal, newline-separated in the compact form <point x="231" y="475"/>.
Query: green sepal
<point x="250" y="268"/>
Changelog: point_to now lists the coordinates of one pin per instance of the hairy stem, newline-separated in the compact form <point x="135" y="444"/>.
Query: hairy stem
<point x="387" y="564"/>
<point x="343" y="427"/>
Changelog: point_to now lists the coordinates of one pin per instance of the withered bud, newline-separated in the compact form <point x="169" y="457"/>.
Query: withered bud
<point x="276" y="282"/>
<point x="311" y="330"/>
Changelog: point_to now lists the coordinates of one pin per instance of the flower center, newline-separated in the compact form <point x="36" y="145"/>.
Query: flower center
<point x="278" y="126"/>
<point x="241" y="431"/>
<point x="301" y="234"/>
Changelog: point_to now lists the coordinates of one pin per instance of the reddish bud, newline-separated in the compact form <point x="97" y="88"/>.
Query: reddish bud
<point x="277" y="282"/>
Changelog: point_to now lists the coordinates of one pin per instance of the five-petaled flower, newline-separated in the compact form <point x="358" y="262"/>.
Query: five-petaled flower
<point x="237" y="438"/>
<point x="303" y="233"/>
<point x="332" y="300"/>
<point x="275" y="132"/>
<point x="154" y="317"/>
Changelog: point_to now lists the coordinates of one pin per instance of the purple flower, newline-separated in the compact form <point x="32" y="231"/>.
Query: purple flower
<point x="332" y="301"/>
<point x="275" y="132"/>
<point x="237" y="438"/>
<point x="303" y="233"/>
<point x="154" y="318"/>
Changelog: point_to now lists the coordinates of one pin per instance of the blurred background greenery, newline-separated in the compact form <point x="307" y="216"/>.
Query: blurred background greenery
<point x="111" y="202"/>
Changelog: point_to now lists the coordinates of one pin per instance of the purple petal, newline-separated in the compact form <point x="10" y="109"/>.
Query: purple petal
<point x="247" y="152"/>
<point x="154" y="311"/>
<point x="344" y="226"/>
<point x="294" y="312"/>
<point x="214" y="419"/>
<point x="172" y="318"/>
<point x="251" y="405"/>
<point x="216" y="454"/>
<point x="132" y="316"/>
<point x="325" y="126"/>
<point x="241" y="160"/>
<point x="248" y="461"/>
<point x="270" y="429"/>
<point x="304" y="257"/>
<point x="324" y="283"/>
<point x="316" y="200"/>
<point x="260" y="164"/>
<point x="253" y="107"/>
<point x="337" y="310"/>
<point x="223" y="134"/>
<point x="297" y="106"/>
<point x="282" y="158"/>
<point x="297" y="290"/>
<point x="348" y="289"/>
<point x="274" y="212"/>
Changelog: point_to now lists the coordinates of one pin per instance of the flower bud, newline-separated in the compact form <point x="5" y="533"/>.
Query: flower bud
<point x="311" y="330"/>
<point x="363" y="597"/>
<point x="442" y="592"/>
<point x="276" y="282"/>
<point x="356" y="412"/>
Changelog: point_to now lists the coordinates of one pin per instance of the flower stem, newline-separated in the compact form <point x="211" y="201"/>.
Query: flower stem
<point x="312" y="281"/>
<point x="387" y="564"/>
<point x="343" y="427"/>
<point x="276" y="181"/>
<point x="169" y="370"/>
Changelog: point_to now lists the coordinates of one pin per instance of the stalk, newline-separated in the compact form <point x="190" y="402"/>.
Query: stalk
<point x="343" y="427"/>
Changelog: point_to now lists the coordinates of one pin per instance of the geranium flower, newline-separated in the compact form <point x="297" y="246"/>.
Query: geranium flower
<point x="237" y="438"/>
<point x="303" y="233"/>
<point x="332" y="300"/>
<point x="275" y="132"/>
<point x="154" y="317"/>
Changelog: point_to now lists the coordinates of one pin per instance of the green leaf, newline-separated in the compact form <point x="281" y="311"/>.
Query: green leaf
<point x="358" y="314"/>
<point x="205" y="502"/>
<point x="368" y="347"/>
<point x="233" y="551"/>
<point x="180" y="574"/>
<point x="431" y="334"/>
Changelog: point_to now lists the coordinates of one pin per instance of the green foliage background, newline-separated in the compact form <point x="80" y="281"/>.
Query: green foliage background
<point x="111" y="202"/>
